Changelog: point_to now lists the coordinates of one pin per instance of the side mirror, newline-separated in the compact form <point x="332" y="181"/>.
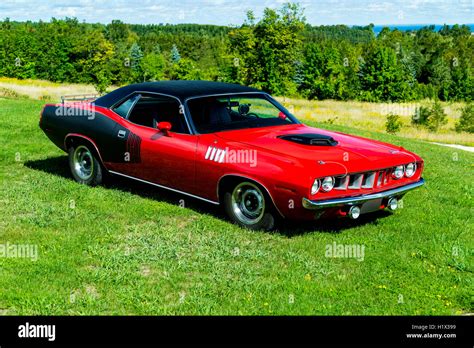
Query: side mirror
<point x="164" y="127"/>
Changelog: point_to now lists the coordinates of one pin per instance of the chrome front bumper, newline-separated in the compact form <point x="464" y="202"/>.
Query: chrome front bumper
<point x="348" y="201"/>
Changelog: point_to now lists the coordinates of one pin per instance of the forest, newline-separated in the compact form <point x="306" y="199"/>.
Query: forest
<point x="280" y="53"/>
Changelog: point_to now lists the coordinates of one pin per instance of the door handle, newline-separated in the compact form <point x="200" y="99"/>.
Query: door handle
<point x="121" y="134"/>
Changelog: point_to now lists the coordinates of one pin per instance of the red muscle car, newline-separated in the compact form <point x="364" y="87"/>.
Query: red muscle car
<point x="229" y="145"/>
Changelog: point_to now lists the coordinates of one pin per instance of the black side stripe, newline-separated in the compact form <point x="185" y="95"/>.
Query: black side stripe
<point x="133" y="148"/>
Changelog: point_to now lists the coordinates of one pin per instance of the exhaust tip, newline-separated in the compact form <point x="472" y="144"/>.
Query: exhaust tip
<point x="354" y="212"/>
<point x="393" y="203"/>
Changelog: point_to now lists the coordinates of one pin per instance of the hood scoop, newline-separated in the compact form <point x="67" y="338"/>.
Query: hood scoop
<point x="310" y="139"/>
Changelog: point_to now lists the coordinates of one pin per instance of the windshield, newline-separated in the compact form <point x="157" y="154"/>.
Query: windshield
<point x="221" y="113"/>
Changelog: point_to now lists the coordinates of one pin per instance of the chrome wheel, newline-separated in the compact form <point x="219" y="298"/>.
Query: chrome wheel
<point x="248" y="203"/>
<point x="83" y="163"/>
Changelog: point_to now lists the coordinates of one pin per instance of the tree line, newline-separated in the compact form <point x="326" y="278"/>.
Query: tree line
<point x="280" y="53"/>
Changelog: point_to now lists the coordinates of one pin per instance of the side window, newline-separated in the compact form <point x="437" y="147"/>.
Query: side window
<point x="124" y="108"/>
<point x="151" y="109"/>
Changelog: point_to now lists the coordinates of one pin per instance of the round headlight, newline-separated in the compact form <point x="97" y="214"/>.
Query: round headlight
<point x="410" y="170"/>
<point x="327" y="184"/>
<point x="398" y="172"/>
<point x="315" y="187"/>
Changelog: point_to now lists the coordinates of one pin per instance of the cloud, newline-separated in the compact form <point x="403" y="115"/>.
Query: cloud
<point x="224" y="12"/>
<point x="66" y="12"/>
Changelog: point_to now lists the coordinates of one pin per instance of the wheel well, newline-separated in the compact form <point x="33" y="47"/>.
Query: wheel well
<point x="75" y="140"/>
<point x="226" y="183"/>
<point x="229" y="181"/>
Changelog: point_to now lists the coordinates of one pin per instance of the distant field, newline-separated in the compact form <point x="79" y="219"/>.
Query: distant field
<point x="127" y="248"/>
<point x="372" y="116"/>
<point x="42" y="90"/>
<point x="360" y="115"/>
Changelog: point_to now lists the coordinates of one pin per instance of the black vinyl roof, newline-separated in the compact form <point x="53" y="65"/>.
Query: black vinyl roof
<point x="179" y="89"/>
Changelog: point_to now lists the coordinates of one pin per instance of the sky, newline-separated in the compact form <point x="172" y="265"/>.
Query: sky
<point x="232" y="12"/>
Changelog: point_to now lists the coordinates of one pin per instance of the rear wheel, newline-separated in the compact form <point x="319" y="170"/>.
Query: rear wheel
<point x="85" y="167"/>
<point x="249" y="206"/>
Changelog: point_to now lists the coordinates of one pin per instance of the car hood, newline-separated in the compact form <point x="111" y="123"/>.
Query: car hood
<point x="351" y="152"/>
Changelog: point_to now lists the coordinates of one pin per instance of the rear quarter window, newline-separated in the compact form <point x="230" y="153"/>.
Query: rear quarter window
<point x="124" y="109"/>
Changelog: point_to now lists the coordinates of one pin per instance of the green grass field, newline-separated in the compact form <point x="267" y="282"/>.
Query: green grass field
<point x="127" y="248"/>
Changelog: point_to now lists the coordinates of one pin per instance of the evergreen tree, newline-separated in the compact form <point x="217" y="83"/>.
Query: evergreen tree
<point x="279" y="53"/>
<point x="175" y="56"/>
<point x="136" y="55"/>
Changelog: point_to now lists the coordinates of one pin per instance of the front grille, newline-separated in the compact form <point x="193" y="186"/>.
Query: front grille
<point x="366" y="180"/>
<point x="341" y="183"/>
<point x="355" y="181"/>
<point x="369" y="180"/>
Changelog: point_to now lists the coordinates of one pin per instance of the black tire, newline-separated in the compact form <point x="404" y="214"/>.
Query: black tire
<point x="248" y="205"/>
<point x="85" y="167"/>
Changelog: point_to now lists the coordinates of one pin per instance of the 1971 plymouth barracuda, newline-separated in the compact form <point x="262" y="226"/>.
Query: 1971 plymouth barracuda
<point x="229" y="145"/>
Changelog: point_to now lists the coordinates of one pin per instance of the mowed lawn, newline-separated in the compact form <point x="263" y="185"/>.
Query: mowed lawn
<point x="127" y="248"/>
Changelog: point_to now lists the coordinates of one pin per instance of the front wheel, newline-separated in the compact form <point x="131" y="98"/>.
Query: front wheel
<point x="85" y="167"/>
<point x="248" y="206"/>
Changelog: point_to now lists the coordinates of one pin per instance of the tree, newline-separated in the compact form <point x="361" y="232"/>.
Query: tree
<point x="117" y="32"/>
<point x="382" y="77"/>
<point x="136" y="57"/>
<point x="279" y="53"/>
<point x="175" y="56"/>
<point x="393" y="124"/>
<point x="437" y="117"/>
<point x="420" y="118"/>
<point x="93" y="54"/>
<point x="462" y="83"/>
<point x="329" y="73"/>
<point x="185" y="70"/>
<point x="268" y="50"/>
<point x="432" y="117"/>
<point x="466" y="122"/>
<point x="440" y="77"/>
<point x="153" y="65"/>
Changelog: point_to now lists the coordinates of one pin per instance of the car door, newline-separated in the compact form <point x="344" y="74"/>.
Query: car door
<point x="163" y="158"/>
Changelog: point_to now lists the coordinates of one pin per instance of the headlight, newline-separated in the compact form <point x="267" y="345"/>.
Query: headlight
<point x="398" y="172"/>
<point x="328" y="184"/>
<point x="410" y="170"/>
<point x="315" y="187"/>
